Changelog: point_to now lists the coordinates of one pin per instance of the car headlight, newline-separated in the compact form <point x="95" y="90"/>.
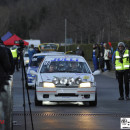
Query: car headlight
<point x="85" y="85"/>
<point x="48" y="85"/>
<point x="56" y="81"/>
<point x="78" y="81"/>
<point x="71" y="81"/>
<point x="63" y="81"/>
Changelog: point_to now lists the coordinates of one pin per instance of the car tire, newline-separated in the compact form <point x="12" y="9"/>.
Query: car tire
<point x="93" y="103"/>
<point x="37" y="103"/>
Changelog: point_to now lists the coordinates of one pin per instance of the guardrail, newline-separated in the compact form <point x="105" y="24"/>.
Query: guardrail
<point x="6" y="107"/>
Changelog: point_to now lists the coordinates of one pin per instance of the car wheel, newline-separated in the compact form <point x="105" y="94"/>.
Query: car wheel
<point x="37" y="103"/>
<point x="93" y="103"/>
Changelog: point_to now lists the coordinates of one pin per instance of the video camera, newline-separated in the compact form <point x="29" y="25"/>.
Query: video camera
<point x="20" y="43"/>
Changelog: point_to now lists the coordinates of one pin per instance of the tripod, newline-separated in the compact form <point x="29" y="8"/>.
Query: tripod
<point x="24" y="83"/>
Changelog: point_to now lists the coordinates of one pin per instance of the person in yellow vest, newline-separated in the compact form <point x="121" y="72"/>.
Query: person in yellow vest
<point x="15" y="56"/>
<point x="121" y="62"/>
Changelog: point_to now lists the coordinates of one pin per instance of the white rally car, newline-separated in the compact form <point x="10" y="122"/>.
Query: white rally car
<point x="65" y="78"/>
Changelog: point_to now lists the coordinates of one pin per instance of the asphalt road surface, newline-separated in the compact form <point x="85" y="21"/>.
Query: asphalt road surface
<point x="105" y="116"/>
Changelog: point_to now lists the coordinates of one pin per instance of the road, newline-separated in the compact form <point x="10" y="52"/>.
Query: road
<point x="106" y="116"/>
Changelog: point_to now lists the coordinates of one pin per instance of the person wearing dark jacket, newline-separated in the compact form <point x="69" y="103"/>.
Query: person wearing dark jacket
<point x="12" y="69"/>
<point x="79" y="51"/>
<point x="4" y="66"/>
<point x="31" y="52"/>
<point x="101" y="57"/>
<point x="121" y="62"/>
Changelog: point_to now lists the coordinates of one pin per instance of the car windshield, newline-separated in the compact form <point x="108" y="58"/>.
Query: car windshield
<point x="64" y="66"/>
<point x="36" y="60"/>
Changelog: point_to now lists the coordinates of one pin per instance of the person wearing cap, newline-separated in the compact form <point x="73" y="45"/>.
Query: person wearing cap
<point x="122" y="66"/>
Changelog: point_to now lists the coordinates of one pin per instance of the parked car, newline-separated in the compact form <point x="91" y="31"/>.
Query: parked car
<point x="65" y="78"/>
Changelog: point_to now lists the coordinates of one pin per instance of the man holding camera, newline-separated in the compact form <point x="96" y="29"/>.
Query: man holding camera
<point x="122" y="66"/>
<point x="5" y="65"/>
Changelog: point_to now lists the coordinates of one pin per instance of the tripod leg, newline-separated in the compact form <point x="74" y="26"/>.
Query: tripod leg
<point x="26" y="84"/>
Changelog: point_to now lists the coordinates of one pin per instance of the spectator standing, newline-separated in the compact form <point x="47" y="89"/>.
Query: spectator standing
<point x="14" y="52"/>
<point x="31" y="52"/>
<point x="19" y="60"/>
<point x="111" y="48"/>
<point x="106" y="56"/>
<point x="98" y="54"/>
<point x="5" y="66"/>
<point x="95" y="57"/>
<point x="101" y="57"/>
<point x="122" y="66"/>
<point x="12" y="69"/>
<point x="42" y="49"/>
<point x="79" y="51"/>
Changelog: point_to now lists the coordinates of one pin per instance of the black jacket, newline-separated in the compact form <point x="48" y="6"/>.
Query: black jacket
<point x="4" y="65"/>
<point x="12" y="68"/>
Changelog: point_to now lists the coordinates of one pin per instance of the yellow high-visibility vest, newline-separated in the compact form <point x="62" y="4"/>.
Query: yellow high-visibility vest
<point x="14" y="53"/>
<point x="125" y="64"/>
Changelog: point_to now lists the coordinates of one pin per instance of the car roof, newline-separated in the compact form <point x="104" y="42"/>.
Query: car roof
<point x="66" y="57"/>
<point x="49" y="53"/>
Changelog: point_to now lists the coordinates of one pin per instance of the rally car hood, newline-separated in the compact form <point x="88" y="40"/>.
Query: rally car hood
<point x="48" y="77"/>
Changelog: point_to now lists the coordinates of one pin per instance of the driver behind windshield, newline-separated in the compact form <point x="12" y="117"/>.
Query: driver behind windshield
<point x="51" y="68"/>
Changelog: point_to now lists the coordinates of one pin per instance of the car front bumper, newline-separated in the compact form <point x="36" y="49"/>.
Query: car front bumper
<point x="65" y="94"/>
